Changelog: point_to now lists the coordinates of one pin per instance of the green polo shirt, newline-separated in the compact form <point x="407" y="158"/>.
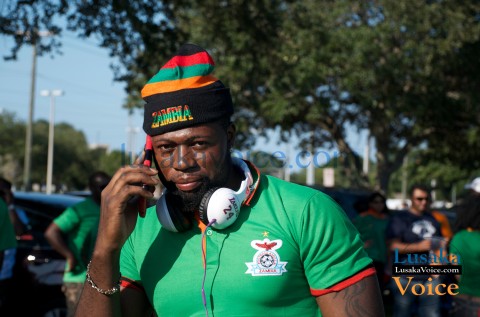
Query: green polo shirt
<point x="465" y="243"/>
<point x="80" y="225"/>
<point x="290" y="242"/>
<point x="372" y="231"/>
<point x="7" y="234"/>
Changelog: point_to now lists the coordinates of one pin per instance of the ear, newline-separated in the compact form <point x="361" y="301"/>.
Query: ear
<point x="231" y="132"/>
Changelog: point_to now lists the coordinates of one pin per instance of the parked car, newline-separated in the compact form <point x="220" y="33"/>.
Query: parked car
<point x="38" y="270"/>
<point x="80" y="193"/>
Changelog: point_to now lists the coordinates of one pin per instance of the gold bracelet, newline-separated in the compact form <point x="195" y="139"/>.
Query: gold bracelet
<point x="107" y="292"/>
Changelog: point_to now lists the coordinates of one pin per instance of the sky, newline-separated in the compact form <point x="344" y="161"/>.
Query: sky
<point x="92" y="100"/>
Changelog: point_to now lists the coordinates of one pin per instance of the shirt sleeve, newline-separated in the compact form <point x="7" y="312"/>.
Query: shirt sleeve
<point x="67" y="220"/>
<point x="330" y="246"/>
<point x="128" y="267"/>
<point x="7" y="234"/>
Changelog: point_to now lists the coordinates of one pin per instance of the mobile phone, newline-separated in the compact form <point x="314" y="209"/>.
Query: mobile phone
<point x="147" y="161"/>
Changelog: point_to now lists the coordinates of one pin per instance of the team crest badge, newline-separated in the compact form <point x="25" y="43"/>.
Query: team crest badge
<point x="266" y="261"/>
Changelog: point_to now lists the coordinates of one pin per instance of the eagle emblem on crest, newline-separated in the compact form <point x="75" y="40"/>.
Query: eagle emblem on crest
<point x="266" y="261"/>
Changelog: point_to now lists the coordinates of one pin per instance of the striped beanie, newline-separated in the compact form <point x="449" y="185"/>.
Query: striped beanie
<point x="184" y="93"/>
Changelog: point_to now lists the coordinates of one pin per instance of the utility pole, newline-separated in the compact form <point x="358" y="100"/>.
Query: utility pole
<point x="310" y="181"/>
<point x="404" y="178"/>
<point x="366" y="156"/>
<point x="28" y="138"/>
<point x="131" y="136"/>
<point x="27" y="164"/>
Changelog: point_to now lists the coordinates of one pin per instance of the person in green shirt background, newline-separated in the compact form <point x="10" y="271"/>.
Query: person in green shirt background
<point x="371" y="223"/>
<point x="466" y="243"/>
<point x="7" y="239"/>
<point x="19" y="222"/>
<point x="73" y="235"/>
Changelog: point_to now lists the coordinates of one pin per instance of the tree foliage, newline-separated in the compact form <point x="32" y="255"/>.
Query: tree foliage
<point x="73" y="160"/>
<point x="406" y="71"/>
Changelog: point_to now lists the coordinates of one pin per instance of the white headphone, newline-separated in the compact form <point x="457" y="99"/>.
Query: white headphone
<point x="219" y="207"/>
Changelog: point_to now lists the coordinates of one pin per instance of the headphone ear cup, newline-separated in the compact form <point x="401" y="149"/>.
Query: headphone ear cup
<point x="202" y="210"/>
<point x="171" y="217"/>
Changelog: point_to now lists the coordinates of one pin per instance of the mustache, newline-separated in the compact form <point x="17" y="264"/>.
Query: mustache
<point x="170" y="185"/>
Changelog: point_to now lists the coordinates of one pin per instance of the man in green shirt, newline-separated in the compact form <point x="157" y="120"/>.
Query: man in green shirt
<point x="466" y="245"/>
<point x="73" y="235"/>
<point x="222" y="240"/>
<point x="7" y="239"/>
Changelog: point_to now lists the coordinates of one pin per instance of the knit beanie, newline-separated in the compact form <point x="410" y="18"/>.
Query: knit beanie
<point x="184" y="93"/>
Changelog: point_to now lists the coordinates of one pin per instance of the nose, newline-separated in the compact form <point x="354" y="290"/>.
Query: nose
<point x="183" y="158"/>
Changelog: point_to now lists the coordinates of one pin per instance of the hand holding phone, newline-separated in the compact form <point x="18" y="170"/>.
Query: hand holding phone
<point x="147" y="161"/>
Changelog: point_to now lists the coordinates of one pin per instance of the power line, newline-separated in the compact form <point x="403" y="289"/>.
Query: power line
<point x="56" y="80"/>
<point x="25" y="73"/>
<point x="82" y="40"/>
<point x="84" y="49"/>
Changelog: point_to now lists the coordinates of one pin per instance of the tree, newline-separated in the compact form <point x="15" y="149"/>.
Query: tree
<point x="73" y="160"/>
<point x="407" y="72"/>
<point x="385" y="66"/>
<point x="71" y="164"/>
<point x="12" y="147"/>
<point x="446" y="178"/>
<point x="139" y="34"/>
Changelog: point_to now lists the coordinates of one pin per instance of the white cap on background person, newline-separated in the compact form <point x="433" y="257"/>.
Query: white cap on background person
<point x="474" y="185"/>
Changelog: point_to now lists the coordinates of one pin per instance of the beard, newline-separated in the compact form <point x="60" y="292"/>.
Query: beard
<point x="189" y="202"/>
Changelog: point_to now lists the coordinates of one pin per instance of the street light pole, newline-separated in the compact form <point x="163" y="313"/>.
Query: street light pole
<point x="52" y="94"/>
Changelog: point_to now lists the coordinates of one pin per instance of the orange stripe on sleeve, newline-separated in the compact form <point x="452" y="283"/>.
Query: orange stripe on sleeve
<point x="345" y="283"/>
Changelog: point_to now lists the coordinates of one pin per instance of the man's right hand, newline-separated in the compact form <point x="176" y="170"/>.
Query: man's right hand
<point x="118" y="215"/>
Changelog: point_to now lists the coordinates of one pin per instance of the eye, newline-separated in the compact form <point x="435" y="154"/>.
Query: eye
<point x="166" y="148"/>
<point x="200" y="144"/>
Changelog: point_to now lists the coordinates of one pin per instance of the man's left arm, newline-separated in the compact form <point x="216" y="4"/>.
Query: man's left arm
<point x="362" y="298"/>
<point x="338" y="269"/>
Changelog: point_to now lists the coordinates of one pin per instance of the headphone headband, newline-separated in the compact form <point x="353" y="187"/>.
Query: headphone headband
<point x="244" y="191"/>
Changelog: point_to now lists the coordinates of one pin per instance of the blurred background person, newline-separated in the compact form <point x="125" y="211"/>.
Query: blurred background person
<point x="73" y="235"/>
<point x="17" y="216"/>
<point x="7" y="241"/>
<point x="466" y="243"/>
<point x="372" y="224"/>
<point x="414" y="233"/>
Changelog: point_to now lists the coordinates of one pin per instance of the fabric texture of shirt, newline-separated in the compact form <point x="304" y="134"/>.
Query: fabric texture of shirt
<point x="289" y="243"/>
<point x="467" y="245"/>
<point x="80" y="225"/>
